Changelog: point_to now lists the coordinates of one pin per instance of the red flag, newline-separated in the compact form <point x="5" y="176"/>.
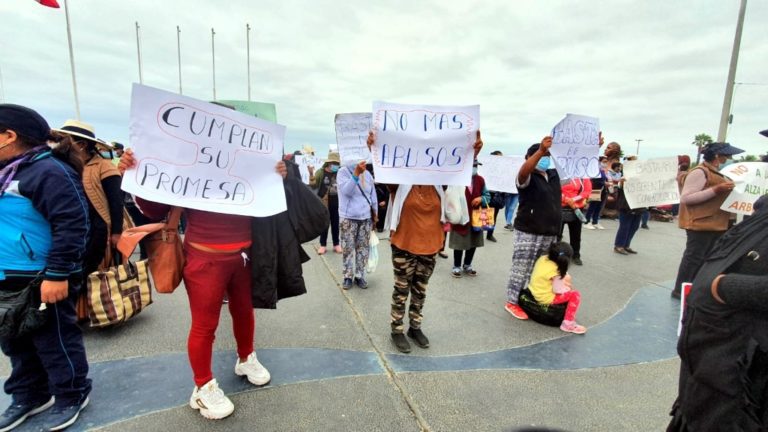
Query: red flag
<point x="49" y="3"/>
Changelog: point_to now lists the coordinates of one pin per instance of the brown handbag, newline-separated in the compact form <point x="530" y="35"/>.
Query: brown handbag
<point x="164" y="249"/>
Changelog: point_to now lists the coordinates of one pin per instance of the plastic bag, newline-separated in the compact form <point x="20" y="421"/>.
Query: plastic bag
<point x="456" y="208"/>
<point x="373" y="254"/>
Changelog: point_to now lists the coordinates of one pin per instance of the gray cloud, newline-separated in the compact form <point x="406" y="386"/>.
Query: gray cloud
<point x="654" y="70"/>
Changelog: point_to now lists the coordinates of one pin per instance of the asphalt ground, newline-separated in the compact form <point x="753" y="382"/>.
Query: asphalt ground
<point x="334" y="367"/>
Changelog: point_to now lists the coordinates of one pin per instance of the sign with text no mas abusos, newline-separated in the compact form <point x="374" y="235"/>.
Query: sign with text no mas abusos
<point x="422" y="144"/>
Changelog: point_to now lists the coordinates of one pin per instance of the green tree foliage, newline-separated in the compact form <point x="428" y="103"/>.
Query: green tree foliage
<point x="700" y="141"/>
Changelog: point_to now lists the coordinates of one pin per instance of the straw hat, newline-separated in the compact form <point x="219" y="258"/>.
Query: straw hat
<point x="80" y="130"/>
<point x="333" y="157"/>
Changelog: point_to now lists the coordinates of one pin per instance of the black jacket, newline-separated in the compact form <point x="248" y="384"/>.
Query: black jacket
<point x="277" y="254"/>
<point x="539" y="209"/>
<point x="724" y="347"/>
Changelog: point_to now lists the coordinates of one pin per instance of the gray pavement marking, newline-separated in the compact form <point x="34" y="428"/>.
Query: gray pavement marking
<point x="391" y="375"/>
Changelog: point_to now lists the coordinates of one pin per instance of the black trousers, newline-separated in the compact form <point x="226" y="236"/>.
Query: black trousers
<point x="574" y="235"/>
<point x="697" y="247"/>
<point x="333" y="209"/>
<point x="51" y="360"/>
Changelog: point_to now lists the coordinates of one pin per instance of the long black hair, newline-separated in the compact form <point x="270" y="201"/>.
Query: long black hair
<point x="560" y="253"/>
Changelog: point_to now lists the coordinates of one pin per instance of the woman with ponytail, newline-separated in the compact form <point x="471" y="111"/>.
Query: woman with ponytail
<point x="551" y="284"/>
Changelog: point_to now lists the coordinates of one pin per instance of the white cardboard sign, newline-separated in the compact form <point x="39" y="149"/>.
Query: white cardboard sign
<point x="352" y="137"/>
<point x="500" y="172"/>
<point x="426" y="145"/>
<point x="651" y="182"/>
<point x="751" y="179"/>
<point x="576" y="147"/>
<point x="195" y="154"/>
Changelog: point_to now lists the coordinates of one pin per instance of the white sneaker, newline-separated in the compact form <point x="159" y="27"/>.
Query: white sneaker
<point x="598" y="226"/>
<point x="211" y="401"/>
<point x="589" y="226"/>
<point x="257" y="374"/>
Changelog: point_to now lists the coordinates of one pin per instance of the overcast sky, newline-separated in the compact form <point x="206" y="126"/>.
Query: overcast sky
<point x="653" y="70"/>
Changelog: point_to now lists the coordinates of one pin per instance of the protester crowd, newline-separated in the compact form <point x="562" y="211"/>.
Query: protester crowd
<point x="63" y="187"/>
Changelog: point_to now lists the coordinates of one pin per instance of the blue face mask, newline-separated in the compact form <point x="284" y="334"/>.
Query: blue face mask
<point x="543" y="164"/>
<point x="726" y="163"/>
<point x="106" y="154"/>
<point x="334" y="168"/>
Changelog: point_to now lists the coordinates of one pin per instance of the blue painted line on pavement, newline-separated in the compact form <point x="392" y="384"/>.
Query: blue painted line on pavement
<point x="644" y="331"/>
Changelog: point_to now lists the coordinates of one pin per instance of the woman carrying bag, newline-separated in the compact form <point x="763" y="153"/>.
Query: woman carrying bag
<point x="358" y="210"/>
<point x="101" y="182"/>
<point x="44" y="239"/>
<point x="217" y="263"/>
<point x="574" y="196"/>
<point x="465" y="239"/>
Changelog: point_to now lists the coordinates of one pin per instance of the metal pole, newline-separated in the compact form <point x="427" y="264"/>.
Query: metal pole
<point x="178" y="53"/>
<point x="72" y="61"/>
<point x="213" y="56"/>
<point x="248" y="50"/>
<point x="637" y="153"/>
<point x="723" y="130"/>
<point x="138" y="51"/>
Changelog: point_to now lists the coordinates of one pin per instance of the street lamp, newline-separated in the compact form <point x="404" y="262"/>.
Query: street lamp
<point x="637" y="153"/>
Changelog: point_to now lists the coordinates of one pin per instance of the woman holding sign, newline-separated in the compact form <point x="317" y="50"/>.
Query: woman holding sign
<point x="216" y="248"/>
<point x="358" y="209"/>
<point x="415" y="218"/>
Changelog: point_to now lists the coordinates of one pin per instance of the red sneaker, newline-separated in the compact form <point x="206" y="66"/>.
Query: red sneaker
<point x="516" y="311"/>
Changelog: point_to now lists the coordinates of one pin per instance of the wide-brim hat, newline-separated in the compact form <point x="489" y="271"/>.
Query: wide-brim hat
<point x="724" y="149"/>
<point x="333" y="157"/>
<point x="79" y="129"/>
<point x="308" y="149"/>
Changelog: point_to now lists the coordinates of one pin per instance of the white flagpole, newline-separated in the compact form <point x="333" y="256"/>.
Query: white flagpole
<point x="72" y="61"/>
<point x="213" y="56"/>
<point x="178" y="52"/>
<point x="138" y="51"/>
<point x="248" y="49"/>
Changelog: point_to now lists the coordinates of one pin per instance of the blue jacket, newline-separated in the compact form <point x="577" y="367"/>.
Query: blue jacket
<point x="44" y="222"/>
<point x="352" y="203"/>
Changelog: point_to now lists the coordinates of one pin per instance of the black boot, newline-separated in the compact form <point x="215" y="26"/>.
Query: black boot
<point x="418" y="336"/>
<point x="401" y="343"/>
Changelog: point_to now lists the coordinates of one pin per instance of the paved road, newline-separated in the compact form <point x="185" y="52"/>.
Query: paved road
<point x="334" y="367"/>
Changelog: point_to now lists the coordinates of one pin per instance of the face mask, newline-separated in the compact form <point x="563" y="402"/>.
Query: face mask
<point x="106" y="154"/>
<point x="725" y="163"/>
<point x="474" y="171"/>
<point x="543" y="164"/>
<point x="334" y="168"/>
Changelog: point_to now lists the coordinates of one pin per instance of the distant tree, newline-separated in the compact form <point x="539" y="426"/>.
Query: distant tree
<point x="700" y="141"/>
<point x="748" y="158"/>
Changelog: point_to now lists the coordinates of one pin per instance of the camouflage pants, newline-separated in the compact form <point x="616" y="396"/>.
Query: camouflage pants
<point x="412" y="273"/>
<point x="355" y="238"/>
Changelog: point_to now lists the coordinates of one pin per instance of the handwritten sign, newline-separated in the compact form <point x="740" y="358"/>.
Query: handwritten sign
<point x="651" y="182"/>
<point x="263" y="110"/>
<point x="199" y="155"/>
<point x="751" y="179"/>
<point x="500" y="172"/>
<point x="427" y="145"/>
<point x="352" y="137"/>
<point x="576" y="147"/>
<point x="306" y="161"/>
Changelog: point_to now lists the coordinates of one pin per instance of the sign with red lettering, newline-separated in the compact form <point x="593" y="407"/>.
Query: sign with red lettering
<point x="751" y="179"/>
<point x="195" y="154"/>
<point x="426" y="145"/>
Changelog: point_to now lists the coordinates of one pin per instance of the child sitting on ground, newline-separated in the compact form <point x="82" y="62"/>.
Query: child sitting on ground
<point x="551" y="284"/>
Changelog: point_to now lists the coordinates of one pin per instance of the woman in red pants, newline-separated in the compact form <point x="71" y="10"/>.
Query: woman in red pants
<point x="216" y="248"/>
